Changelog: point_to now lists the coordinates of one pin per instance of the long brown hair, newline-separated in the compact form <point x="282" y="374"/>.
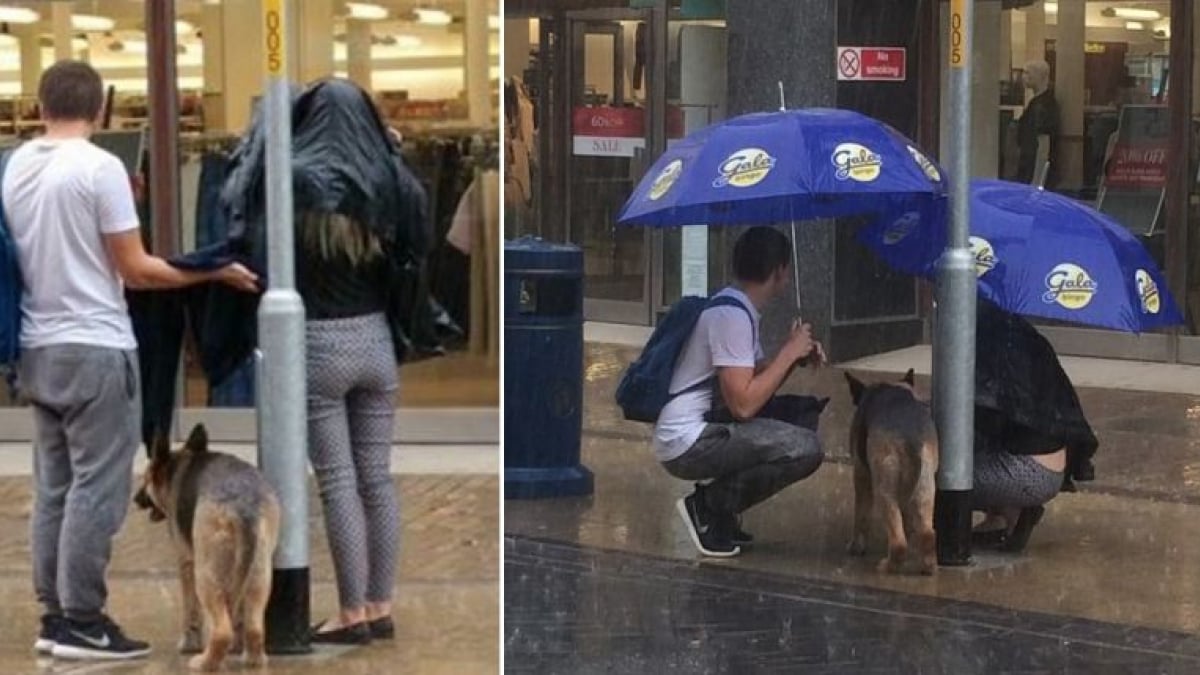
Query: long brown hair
<point x="332" y="235"/>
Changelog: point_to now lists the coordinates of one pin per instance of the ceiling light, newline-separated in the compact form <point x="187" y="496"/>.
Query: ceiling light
<point x="18" y="15"/>
<point x="366" y="11"/>
<point x="408" y="41"/>
<point x="1135" y="25"/>
<point x="1051" y="7"/>
<point x="184" y="28"/>
<point x="493" y="22"/>
<point x="133" y="46"/>
<point x="91" y="22"/>
<point x="1132" y="13"/>
<point x="433" y="17"/>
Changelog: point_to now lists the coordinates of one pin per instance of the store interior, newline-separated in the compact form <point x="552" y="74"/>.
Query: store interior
<point x="432" y="69"/>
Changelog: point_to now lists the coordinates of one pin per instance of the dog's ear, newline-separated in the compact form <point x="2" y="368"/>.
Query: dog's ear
<point x="856" y="388"/>
<point x="160" y="448"/>
<point x="908" y="377"/>
<point x="198" y="440"/>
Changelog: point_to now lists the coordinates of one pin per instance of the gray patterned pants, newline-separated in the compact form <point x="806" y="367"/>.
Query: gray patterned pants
<point x="352" y="386"/>
<point x="1004" y="480"/>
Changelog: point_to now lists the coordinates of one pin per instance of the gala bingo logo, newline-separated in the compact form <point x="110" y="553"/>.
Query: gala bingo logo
<point x="984" y="254"/>
<point x="1147" y="292"/>
<point x="1070" y="286"/>
<point x="744" y="168"/>
<point x="856" y="162"/>
<point x="899" y="230"/>
<point x="665" y="180"/>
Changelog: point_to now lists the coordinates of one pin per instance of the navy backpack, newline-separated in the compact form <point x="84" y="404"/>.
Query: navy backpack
<point x="645" y="387"/>
<point x="11" y="286"/>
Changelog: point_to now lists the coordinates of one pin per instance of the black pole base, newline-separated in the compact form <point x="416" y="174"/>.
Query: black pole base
<point x="952" y="523"/>
<point x="288" y="613"/>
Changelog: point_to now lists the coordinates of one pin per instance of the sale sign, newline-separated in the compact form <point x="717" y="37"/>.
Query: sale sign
<point x="1137" y="166"/>
<point x="607" y="131"/>
<point x="872" y="64"/>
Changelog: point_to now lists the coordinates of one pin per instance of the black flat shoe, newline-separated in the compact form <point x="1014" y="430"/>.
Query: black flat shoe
<point x="988" y="538"/>
<point x="382" y="628"/>
<point x="358" y="634"/>
<point x="1019" y="537"/>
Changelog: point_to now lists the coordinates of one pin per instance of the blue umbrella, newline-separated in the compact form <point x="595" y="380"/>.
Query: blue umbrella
<point x="780" y="167"/>
<point x="1039" y="254"/>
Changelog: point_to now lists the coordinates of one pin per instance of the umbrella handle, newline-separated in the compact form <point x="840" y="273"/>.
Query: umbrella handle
<point x="795" y="265"/>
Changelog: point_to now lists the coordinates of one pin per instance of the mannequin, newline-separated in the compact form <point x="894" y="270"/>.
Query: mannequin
<point x="1038" y="128"/>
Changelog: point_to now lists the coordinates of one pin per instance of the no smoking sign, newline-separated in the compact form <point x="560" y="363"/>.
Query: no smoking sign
<point x="872" y="64"/>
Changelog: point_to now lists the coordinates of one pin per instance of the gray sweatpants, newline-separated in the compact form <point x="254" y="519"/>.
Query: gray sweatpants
<point x="87" y="410"/>
<point x="748" y="461"/>
<point x="351" y="406"/>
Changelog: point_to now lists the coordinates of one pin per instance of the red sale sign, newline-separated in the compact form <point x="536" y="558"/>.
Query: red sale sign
<point x="1137" y="166"/>
<point x="606" y="131"/>
<point x="872" y="64"/>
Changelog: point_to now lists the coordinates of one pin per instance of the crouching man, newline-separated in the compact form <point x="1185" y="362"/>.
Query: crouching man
<point x="724" y="427"/>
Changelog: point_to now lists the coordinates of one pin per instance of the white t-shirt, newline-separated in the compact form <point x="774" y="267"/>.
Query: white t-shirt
<point x="60" y="198"/>
<point x="723" y="337"/>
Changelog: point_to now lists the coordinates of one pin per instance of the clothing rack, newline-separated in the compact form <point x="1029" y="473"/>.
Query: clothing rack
<point x="210" y="142"/>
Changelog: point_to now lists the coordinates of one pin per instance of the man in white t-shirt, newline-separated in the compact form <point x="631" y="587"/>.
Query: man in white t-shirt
<point x="70" y="207"/>
<point x="740" y="462"/>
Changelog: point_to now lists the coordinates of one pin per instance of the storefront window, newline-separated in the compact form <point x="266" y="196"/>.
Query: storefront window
<point x="441" y="94"/>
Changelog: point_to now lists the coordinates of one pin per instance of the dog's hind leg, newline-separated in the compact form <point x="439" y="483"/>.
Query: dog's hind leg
<point x="215" y="560"/>
<point x="885" y="477"/>
<point x="922" y="509"/>
<point x="258" y="588"/>
<point x="192" y="639"/>
<point x="864" y="501"/>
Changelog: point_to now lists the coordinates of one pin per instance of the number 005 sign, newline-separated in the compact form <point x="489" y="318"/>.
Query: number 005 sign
<point x="273" y="34"/>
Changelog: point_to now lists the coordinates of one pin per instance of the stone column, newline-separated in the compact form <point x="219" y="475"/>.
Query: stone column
<point x="476" y="64"/>
<point x="1004" y="64"/>
<point x="794" y="42"/>
<point x="60" y="20"/>
<point x="1069" y="90"/>
<point x="516" y="47"/>
<point x="211" y="25"/>
<point x="31" y="59"/>
<point x="1035" y="36"/>
<point x="314" y="28"/>
<point x="985" y="90"/>
<point x="243" y="70"/>
<point x="358" y="52"/>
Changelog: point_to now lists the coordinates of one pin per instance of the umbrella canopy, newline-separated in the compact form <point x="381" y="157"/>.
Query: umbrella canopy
<point x="1040" y="254"/>
<point x="768" y="168"/>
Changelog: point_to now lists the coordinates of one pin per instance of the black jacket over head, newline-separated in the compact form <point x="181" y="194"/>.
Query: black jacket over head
<point x="343" y="162"/>
<point x="1024" y="401"/>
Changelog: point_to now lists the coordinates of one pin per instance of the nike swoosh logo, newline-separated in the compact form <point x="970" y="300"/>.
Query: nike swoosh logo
<point x="100" y="644"/>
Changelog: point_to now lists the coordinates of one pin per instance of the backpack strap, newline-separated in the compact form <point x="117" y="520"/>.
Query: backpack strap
<point x="721" y="301"/>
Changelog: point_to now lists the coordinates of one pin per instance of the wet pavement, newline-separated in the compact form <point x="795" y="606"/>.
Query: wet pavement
<point x="447" y="591"/>
<point x="1119" y="556"/>
<point x="579" y="610"/>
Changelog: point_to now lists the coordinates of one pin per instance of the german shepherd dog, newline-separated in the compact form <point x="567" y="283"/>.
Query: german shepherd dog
<point x="224" y="519"/>
<point x="894" y="445"/>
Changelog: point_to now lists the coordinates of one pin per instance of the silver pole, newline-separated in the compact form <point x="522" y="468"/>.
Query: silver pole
<point x="954" y="343"/>
<point x="282" y="400"/>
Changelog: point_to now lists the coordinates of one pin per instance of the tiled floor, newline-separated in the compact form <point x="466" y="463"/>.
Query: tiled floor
<point x="1123" y="552"/>
<point x="447" y="593"/>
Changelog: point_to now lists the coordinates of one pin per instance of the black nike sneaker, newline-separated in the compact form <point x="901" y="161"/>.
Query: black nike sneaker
<point x="100" y="640"/>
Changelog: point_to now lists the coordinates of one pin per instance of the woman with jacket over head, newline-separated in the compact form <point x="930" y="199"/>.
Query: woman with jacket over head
<point x="361" y="234"/>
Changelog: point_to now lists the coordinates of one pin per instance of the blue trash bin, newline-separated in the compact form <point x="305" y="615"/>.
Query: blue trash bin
<point x="543" y="370"/>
